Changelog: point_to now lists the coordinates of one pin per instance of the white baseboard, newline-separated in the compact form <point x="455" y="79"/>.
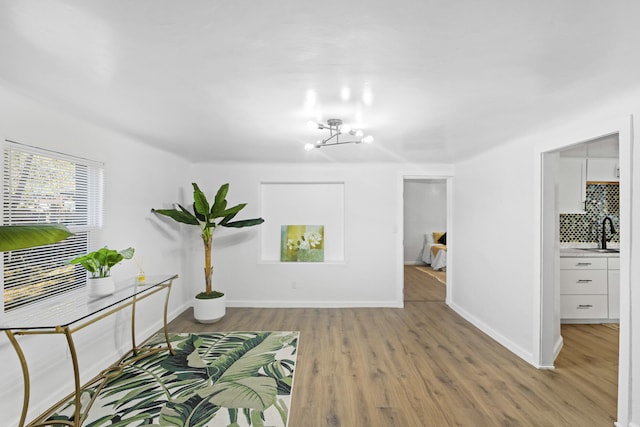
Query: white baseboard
<point x="558" y="347"/>
<point x="314" y="304"/>
<point x="556" y="351"/>
<point x="153" y="328"/>
<point x="501" y="339"/>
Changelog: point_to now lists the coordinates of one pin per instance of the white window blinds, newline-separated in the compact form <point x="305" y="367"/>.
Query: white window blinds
<point x="42" y="186"/>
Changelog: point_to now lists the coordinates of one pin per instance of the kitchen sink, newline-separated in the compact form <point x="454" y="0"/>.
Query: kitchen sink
<point x="609" y="250"/>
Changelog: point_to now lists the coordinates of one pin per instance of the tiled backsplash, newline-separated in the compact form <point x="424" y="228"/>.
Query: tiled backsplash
<point x="603" y="200"/>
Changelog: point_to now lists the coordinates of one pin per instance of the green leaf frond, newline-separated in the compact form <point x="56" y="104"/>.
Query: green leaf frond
<point x="200" y="203"/>
<point x="220" y="201"/>
<point x="13" y="237"/>
<point x="182" y="215"/>
<point x="230" y="213"/>
<point x="244" y="223"/>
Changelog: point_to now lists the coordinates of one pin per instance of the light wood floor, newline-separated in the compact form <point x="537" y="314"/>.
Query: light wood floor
<point x="425" y="366"/>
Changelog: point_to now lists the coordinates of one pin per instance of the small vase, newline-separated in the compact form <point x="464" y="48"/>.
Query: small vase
<point x="140" y="278"/>
<point x="100" y="286"/>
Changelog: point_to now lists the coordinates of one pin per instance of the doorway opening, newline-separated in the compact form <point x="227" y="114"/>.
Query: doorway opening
<point x="424" y="248"/>
<point x="580" y="281"/>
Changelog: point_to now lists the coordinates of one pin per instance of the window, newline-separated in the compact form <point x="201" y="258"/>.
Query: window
<point x="41" y="186"/>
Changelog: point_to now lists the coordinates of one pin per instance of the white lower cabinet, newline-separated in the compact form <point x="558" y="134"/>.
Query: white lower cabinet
<point x="583" y="307"/>
<point x="589" y="290"/>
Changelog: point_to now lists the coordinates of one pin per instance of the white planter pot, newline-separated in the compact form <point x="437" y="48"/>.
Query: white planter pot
<point x="209" y="310"/>
<point x="101" y="286"/>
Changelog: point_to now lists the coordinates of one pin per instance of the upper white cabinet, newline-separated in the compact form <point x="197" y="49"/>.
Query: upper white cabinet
<point x="572" y="185"/>
<point x="603" y="170"/>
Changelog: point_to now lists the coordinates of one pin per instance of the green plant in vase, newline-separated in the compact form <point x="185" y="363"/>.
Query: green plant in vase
<point x="98" y="264"/>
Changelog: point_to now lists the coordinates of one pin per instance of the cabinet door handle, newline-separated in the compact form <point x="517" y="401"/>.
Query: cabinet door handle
<point x="583" y="263"/>
<point x="584" y="280"/>
<point x="584" y="306"/>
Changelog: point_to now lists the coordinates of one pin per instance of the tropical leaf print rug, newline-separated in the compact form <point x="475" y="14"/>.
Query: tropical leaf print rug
<point x="229" y="379"/>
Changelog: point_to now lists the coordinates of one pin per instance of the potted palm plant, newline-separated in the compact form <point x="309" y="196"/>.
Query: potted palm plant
<point x="210" y="305"/>
<point x="98" y="264"/>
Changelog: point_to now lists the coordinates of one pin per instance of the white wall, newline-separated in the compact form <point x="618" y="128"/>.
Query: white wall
<point x="367" y="277"/>
<point x="137" y="178"/>
<point x="493" y="215"/>
<point x="425" y="211"/>
<point x="497" y="215"/>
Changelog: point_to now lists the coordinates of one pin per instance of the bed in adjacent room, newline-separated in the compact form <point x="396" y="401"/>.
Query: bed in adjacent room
<point x="434" y="252"/>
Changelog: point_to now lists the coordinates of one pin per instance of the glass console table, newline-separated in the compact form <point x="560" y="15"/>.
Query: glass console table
<point x="74" y="311"/>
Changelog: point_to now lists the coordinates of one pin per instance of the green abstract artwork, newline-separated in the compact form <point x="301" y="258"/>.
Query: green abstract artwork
<point x="302" y="243"/>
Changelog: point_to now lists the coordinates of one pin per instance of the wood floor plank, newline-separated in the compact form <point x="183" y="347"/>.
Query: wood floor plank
<point x="424" y="365"/>
<point x="425" y="288"/>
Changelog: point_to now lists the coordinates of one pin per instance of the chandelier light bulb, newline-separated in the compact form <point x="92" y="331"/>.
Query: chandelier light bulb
<point x="345" y="129"/>
<point x="367" y="96"/>
<point x="309" y="146"/>
<point x="345" y="93"/>
<point x="367" y="139"/>
<point x="311" y="124"/>
<point x="310" y="99"/>
<point x="359" y="133"/>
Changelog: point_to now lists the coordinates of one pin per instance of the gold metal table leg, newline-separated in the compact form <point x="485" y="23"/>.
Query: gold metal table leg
<point x="25" y="376"/>
<point x="76" y="376"/>
<point x="134" y="348"/>
<point x="166" y="307"/>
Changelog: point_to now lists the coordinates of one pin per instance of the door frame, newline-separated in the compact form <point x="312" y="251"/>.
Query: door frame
<point x="440" y="173"/>
<point x="545" y="300"/>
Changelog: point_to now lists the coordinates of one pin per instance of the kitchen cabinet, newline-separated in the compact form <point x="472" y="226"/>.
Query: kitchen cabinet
<point x="572" y="185"/>
<point x="589" y="289"/>
<point x="603" y="170"/>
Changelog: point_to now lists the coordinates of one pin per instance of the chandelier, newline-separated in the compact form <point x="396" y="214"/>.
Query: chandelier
<point x="336" y="130"/>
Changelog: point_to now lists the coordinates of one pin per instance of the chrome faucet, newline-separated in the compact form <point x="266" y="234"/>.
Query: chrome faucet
<point x="603" y="243"/>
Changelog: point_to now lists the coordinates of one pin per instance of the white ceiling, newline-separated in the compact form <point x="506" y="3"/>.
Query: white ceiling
<point x="228" y="79"/>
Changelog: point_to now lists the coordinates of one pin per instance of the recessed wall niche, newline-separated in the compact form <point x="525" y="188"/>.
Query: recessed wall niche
<point x="299" y="203"/>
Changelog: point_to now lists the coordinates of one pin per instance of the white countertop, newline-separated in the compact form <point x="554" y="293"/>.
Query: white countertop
<point x="579" y="252"/>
